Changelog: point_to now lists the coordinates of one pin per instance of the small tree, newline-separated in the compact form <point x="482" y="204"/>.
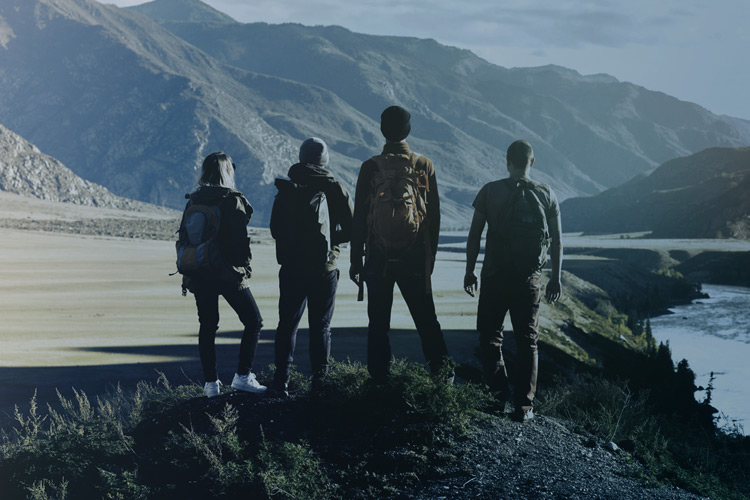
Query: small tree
<point x="650" y="342"/>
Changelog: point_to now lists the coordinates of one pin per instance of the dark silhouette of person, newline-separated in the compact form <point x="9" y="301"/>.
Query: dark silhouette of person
<point x="411" y="267"/>
<point x="511" y="272"/>
<point x="216" y="187"/>
<point x="308" y="278"/>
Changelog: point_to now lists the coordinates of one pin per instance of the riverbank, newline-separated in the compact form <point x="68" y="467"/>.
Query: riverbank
<point x="713" y="334"/>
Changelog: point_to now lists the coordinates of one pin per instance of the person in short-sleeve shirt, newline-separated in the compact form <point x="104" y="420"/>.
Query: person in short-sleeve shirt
<point x="508" y="288"/>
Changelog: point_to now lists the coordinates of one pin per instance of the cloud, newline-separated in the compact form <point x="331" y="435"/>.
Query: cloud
<point x="572" y="23"/>
<point x="522" y="23"/>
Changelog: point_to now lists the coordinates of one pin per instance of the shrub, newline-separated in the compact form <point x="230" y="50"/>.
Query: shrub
<point x="410" y="390"/>
<point x="82" y="449"/>
<point x="291" y="471"/>
<point x="674" y="447"/>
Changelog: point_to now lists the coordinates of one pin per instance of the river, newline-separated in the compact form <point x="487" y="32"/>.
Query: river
<point x="714" y="336"/>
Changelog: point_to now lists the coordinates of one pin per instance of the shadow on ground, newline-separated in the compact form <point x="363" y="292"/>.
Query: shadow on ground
<point x="181" y="364"/>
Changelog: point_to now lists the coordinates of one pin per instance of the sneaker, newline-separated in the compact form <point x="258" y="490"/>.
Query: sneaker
<point x="523" y="415"/>
<point x="247" y="383"/>
<point x="211" y="389"/>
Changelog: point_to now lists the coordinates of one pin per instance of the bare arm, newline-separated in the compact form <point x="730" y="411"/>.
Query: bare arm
<point x="473" y="244"/>
<point x="554" y="287"/>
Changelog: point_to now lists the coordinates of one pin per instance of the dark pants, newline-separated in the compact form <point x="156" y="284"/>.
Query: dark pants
<point x="243" y="303"/>
<point x="519" y="296"/>
<point x="298" y="289"/>
<point x="410" y="279"/>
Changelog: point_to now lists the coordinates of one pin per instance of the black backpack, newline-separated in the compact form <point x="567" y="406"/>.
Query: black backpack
<point x="300" y="224"/>
<point x="197" y="247"/>
<point x="524" y="232"/>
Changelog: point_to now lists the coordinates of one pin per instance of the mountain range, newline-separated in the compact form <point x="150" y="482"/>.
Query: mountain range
<point x="705" y="195"/>
<point x="133" y="99"/>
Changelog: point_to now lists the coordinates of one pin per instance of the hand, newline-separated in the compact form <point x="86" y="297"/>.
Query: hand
<point x="355" y="272"/>
<point x="470" y="283"/>
<point x="553" y="291"/>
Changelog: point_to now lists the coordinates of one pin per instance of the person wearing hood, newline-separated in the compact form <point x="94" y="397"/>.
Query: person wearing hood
<point x="310" y="219"/>
<point x="216" y="188"/>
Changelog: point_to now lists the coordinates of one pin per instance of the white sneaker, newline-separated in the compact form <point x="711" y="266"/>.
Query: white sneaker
<point x="247" y="383"/>
<point x="211" y="389"/>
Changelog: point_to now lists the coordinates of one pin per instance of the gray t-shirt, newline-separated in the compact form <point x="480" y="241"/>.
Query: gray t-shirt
<point x="492" y="202"/>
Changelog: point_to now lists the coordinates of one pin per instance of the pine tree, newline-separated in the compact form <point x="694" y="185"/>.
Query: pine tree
<point x="650" y="343"/>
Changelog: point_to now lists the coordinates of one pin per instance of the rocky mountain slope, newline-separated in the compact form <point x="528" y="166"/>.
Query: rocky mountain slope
<point x="135" y="103"/>
<point x="25" y="170"/>
<point x="589" y="131"/>
<point x="705" y="195"/>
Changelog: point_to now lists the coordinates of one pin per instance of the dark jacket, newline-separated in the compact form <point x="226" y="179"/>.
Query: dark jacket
<point x="428" y="234"/>
<point x="340" y="206"/>
<point x="233" y="239"/>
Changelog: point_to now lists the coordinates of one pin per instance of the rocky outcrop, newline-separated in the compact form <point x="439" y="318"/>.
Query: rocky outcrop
<point x="25" y="170"/>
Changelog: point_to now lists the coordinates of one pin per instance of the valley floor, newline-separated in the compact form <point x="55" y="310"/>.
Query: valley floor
<point x="89" y="312"/>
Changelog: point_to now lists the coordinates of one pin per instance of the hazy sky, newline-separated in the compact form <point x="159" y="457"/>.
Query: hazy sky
<point x="695" y="50"/>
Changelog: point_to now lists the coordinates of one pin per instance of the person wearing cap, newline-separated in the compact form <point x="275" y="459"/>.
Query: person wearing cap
<point x="302" y="282"/>
<point x="411" y="268"/>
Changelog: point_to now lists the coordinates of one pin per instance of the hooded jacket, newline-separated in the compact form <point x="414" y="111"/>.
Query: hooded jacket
<point x="340" y="205"/>
<point x="233" y="239"/>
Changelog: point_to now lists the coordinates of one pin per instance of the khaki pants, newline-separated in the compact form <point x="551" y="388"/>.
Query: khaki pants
<point x="520" y="296"/>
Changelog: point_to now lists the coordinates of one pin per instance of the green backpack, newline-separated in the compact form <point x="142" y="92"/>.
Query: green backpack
<point x="524" y="233"/>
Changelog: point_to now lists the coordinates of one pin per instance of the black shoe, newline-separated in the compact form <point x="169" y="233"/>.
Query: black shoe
<point x="277" y="392"/>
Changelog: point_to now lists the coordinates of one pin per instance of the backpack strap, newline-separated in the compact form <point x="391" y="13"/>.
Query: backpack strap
<point x="512" y="200"/>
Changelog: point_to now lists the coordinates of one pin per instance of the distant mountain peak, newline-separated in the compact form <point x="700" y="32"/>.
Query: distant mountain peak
<point x="181" y="11"/>
<point x="571" y="74"/>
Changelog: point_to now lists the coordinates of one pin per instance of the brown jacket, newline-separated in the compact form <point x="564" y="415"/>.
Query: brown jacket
<point x="431" y="228"/>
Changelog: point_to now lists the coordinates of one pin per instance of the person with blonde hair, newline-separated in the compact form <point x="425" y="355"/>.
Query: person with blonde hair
<point x="216" y="216"/>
